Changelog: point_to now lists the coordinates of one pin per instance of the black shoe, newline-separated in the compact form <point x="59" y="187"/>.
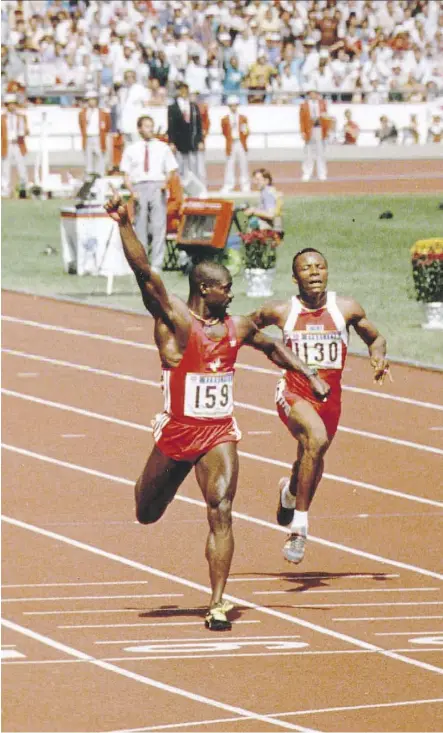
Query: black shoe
<point x="284" y="516"/>
<point x="216" y="619"/>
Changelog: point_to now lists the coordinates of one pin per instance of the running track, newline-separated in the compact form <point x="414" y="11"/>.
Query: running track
<point x="102" y="617"/>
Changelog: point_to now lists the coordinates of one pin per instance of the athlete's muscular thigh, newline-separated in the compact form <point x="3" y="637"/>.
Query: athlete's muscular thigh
<point x="158" y="484"/>
<point x="306" y="424"/>
<point x="217" y="474"/>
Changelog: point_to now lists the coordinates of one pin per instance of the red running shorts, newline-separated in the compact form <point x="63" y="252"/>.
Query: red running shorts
<point x="329" y="410"/>
<point x="183" y="441"/>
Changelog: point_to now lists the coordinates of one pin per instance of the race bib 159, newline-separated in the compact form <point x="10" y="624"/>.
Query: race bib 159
<point x="317" y="349"/>
<point x="209" y="395"/>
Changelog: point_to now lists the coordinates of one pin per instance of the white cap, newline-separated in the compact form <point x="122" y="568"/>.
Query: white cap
<point x="233" y="99"/>
<point x="91" y="94"/>
<point x="10" y="98"/>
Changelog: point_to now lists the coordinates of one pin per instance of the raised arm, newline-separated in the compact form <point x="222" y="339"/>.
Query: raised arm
<point x="373" y="339"/>
<point x="154" y="294"/>
<point x="283" y="357"/>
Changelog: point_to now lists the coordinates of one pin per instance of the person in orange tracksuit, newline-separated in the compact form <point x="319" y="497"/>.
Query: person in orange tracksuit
<point x="95" y="125"/>
<point x="314" y="127"/>
<point x="14" y="132"/>
<point x="235" y="129"/>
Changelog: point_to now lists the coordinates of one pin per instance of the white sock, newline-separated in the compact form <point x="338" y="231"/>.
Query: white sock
<point x="287" y="499"/>
<point x="300" y="523"/>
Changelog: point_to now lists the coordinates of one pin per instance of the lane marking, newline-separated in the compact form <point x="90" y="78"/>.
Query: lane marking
<point x="205" y="589"/>
<point x="238" y="515"/>
<point x="246" y="367"/>
<point x="157" y="624"/>
<point x="91" y="598"/>
<point x="278" y="637"/>
<point x="34" y="374"/>
<point x="405" y="633"/>
<point x="252" y="456"/>
<point x="73" y="435"/>
<point x="315" y="711"/>
<point x="242" y="405"/>
<point x="438" y="640"/>
<point x="70" y="651"/>
<point x="11" y="654"/>
<point x="387" y="618"/>
<point x="58" y="585"/>
<point x="211" y="646"/>
<point x="361" y="605"/>
<point x="292" y="576"/>
<point x="89" y="611"/>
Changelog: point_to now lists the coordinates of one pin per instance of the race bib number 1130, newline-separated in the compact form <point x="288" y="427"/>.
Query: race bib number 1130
<point x="321" y="350"/>
<point x="209" y="395"/>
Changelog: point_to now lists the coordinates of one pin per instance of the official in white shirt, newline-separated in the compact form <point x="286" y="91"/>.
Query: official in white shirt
<point x="147" y="165"/>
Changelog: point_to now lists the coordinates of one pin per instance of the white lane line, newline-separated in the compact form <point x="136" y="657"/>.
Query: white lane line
<point x="87" y="611"/>
<point x="341" y="590"/>
<point x="388" y="618"/>
<point x="62" y="585"/>
<point x="240" y="601"/>
<point x="247" y="367"/>
<point x="361" y="605"/>
<point x="243" y="405"/>
<point x="157" y="624"/>
<point x="252" y="456"/>
<point x="73" y="435"/>
<point x="91" y="598"/>
<point x="238" y="515"/>
<point x="200" y="639"/>
<point x="406" y="633"/>
<point x="315" y="711"/>
<point x="70" y="651"/>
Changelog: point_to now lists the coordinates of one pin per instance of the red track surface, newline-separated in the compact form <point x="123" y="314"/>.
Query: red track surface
<point x="107" y="614"/>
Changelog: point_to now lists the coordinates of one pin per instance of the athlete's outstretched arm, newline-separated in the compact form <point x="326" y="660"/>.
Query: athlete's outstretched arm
<point x="284" y="358"/>
<point x="373" y="339"/>
<point x="269" y="314"/>
<point x="151" y="285"/>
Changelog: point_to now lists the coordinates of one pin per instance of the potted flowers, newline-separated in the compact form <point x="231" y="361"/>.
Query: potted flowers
<point x="427" y="273"/>
<point x="260" y="260"/>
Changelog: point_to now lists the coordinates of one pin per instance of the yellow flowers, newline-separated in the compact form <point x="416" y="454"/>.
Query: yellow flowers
<point x="426" y="247"/>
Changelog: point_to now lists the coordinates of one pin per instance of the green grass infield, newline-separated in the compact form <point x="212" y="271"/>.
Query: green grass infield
<point x="369" y="259"/>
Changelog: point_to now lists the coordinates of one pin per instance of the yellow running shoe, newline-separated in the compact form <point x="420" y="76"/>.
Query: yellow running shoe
<point x="216" y="620"/>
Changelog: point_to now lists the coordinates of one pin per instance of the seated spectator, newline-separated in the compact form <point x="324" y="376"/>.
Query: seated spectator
<point x="410" y="132"/>
<point x="351" y="130"/>
<point x="157" y="94"/>
<point x="435" y="131"/>
<point x="387" y="132"/>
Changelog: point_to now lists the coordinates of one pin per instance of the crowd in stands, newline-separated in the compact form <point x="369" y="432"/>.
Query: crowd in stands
<point x="260" y="50"/>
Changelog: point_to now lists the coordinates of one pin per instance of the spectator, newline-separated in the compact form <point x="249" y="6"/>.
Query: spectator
<point x="233" y="80"/>
<point x="215" y="81"/>
<point x="196" y="75"/>
<point x="206" y="124"/>
<point x="95" y="124"/>
<point x="159" y="68"/>
<point x="289" y="86"/>
<point x="245" y="48"/>
<point x="351" y="130"/>
<point x="268" y="212"/>
<point x="185" y="131"/>
<point x="311" y="61"/>
<point x="435" y="131"/>
<point x="14" y="132"/>
<point x="132" y="98"/>
<point x="157" y="94"/>
<point x="387" y="132"/>
<point x="235" y="130"/>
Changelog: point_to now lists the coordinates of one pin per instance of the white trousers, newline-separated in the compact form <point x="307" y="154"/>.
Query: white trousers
<point x="94" y="158"/>
<point x="201" y="166"/>
<point x="315" y="154"/>
<point x="15" y="158"/>
<point x="238" y="154"/>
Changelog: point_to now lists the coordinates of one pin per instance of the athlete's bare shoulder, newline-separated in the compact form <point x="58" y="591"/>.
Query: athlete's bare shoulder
<point x="350" y="308"/>
<point x="271" y="313"/>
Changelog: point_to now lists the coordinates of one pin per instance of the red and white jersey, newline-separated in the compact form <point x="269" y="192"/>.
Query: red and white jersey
<point x="319" y="338"/>
<point x="201" y="386"/>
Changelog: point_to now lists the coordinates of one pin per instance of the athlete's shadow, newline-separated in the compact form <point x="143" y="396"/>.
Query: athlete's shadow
<point x="307" y="581"/>
<point x="174" y="611"/>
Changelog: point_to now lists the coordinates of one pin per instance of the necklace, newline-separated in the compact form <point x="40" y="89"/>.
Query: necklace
<point x="206" y="321"/>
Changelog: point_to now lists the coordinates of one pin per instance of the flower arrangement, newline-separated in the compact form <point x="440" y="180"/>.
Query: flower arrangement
<point x="260" y="248"/>
<point x="427" y="270"/>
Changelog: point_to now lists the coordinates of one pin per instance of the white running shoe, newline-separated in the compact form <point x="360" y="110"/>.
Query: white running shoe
<point x="294" y="548"/>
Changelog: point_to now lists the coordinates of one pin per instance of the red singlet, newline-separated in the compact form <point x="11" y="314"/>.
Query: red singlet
<point x="319" y="338"/>
<point x="198" y="395"/>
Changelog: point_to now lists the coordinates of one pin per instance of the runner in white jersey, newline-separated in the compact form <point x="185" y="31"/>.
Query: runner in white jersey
<point x="315" y="324"/>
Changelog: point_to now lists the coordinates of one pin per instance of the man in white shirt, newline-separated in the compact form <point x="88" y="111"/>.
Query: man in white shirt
<point x="132" y="98"/>
<point x="147" y="165"/>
